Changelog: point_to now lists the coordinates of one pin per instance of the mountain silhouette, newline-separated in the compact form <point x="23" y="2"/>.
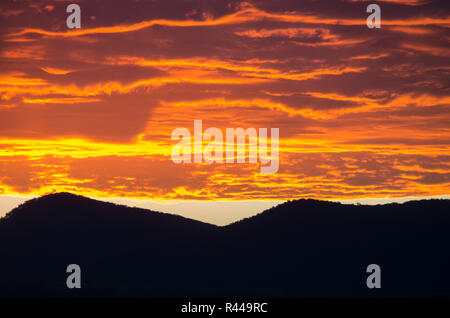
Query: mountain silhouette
<point x="301" y="248"/>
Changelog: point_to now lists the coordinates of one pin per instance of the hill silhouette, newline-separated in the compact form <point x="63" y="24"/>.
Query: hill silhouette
<point x="302" y="248"/>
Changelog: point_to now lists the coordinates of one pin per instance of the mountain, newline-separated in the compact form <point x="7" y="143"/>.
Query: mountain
<point x="302" y="248"/>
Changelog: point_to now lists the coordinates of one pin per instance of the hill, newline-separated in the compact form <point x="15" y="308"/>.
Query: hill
<point x="302" y="248"/>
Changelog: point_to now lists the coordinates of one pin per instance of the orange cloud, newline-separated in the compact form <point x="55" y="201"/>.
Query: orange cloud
<point x="55" y="71"/>
<point x="402" y="2"/>
<point x="362" y="113"/>
<point x="64" y="100"/>
<point x="247" y="14"/>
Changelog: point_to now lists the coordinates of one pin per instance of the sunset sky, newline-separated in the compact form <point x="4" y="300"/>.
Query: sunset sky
<point x="362" y="113"/>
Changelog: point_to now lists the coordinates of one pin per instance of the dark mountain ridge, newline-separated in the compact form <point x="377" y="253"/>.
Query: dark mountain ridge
<point x="302" y="248"/>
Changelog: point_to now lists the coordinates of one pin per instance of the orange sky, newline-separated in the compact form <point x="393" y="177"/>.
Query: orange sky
<point x="362" y="113"/>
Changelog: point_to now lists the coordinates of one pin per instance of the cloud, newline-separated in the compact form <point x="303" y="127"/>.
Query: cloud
<point x="244" y="15"/>
<point x="361" y="112"/>
<point x="55" y="71"/>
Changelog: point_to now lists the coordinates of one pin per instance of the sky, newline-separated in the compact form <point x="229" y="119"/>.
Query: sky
<point x="363" y="114"/>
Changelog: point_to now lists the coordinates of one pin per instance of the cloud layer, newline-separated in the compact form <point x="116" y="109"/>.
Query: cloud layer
<point x="362" y="112"/>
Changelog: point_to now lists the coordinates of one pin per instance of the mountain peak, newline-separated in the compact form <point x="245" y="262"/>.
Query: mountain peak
<point x="65" y="209"/>
<point x="60" y="194"/>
